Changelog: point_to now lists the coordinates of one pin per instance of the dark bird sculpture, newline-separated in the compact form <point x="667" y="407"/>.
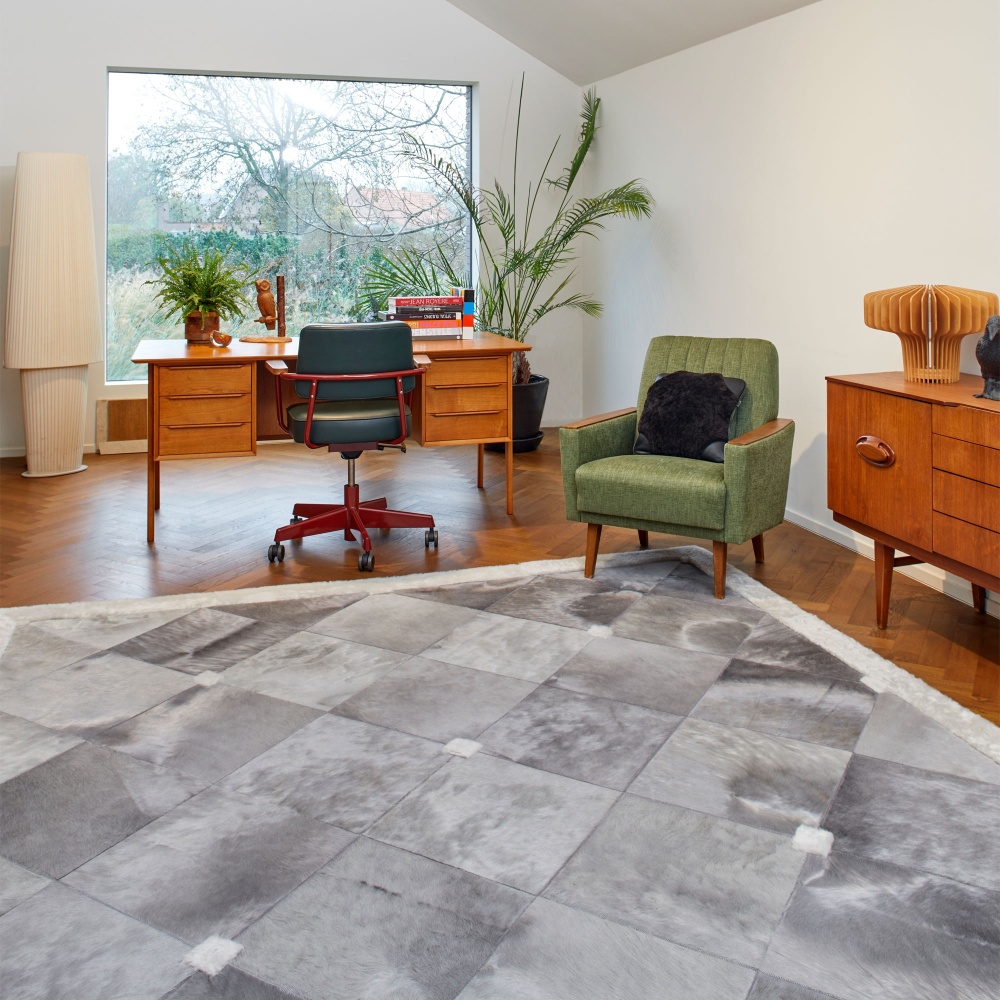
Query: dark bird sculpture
<point x="988" y="356"/>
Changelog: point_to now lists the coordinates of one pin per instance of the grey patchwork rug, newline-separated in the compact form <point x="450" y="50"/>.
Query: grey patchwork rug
<point x="280" y="773"/>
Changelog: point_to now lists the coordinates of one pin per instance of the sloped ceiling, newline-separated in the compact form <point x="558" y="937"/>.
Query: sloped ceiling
<point x="588" y="40"/>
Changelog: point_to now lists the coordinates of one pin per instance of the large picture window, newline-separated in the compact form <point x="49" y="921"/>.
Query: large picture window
<point x="305" y="178"/>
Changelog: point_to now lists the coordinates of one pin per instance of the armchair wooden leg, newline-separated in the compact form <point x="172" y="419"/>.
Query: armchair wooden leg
<point x="643" y="539"/>
<point x="758" y="547"/>
<point x="719" y="553"/>
<point x="593" y="542"/>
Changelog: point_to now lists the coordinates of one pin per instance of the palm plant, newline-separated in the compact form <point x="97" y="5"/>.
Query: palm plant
<point x="516" y="259"/>
<point x="208" y="284"/>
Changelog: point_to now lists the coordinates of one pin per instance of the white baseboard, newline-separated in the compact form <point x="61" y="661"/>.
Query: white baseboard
<point x="929" y="576"/>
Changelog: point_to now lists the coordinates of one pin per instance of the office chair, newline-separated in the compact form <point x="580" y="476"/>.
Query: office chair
<point x="357" y="379"/>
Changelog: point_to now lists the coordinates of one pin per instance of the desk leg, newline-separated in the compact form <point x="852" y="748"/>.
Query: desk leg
<point x="152" y="475"/>
<point x="479" y="467"/>
<point x="884" y="559"/>
<point x="509" y="454"/>
<point x="152" y="467"/>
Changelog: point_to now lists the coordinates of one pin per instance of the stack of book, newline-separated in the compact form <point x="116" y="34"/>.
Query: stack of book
<point x="435" y="317"/>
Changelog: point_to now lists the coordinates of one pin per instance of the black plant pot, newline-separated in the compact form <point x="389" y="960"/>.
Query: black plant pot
<point x="529" y="401"/>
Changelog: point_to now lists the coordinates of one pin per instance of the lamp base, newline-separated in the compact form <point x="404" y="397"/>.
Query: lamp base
<point x="55" y="409"/>
<point x="44" y="475"/>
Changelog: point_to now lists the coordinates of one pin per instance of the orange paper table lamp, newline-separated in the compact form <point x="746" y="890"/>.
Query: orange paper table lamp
<point x="931" y="321"/>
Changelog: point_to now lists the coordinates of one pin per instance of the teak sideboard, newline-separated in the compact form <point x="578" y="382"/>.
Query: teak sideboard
<point x="203" y="400"/>
<point x="916" y="467"/>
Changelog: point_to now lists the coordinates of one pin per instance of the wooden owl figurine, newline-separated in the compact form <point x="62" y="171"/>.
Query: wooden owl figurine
<point x="265" y="303"/>
<point x="988" y="356"/>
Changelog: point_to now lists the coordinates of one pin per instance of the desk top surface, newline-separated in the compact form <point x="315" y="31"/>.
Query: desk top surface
<point x="181" y="352"/>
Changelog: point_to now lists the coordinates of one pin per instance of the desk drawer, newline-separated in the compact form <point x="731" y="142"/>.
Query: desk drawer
<point x="204" y="380"/>
<point x="967" y="544"/>
<point x="977" y="503"/>
<point x="465" y="426"/>
<point x="967" y="424"/>
<point x="230" y="408"/>
<point x="462" y="399"/>
<point x="212" y="439"/>
<point x="466" y="371"/>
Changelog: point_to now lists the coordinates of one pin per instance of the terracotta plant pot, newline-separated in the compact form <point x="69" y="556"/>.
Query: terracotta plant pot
<point x="195" y="333"/>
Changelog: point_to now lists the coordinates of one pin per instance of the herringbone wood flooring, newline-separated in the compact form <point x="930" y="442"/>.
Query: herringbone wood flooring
<point x="82" y="537"/>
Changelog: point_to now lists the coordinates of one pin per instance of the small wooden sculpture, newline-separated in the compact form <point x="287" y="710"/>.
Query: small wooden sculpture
<point x="988" y="356"/>
<point x="265" y="303"/>
<point x="270" y="315"/>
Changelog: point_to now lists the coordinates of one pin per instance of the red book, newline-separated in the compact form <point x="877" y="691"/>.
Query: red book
<point x="438" y="301"/>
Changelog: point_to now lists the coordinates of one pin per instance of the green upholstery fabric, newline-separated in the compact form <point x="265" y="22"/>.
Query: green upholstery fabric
<point x="348" y="422"/>
<point x="604" y="483"/>
<point x="654" y="488"/>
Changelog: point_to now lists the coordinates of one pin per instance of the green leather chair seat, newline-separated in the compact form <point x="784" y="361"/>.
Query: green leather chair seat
<point x="653" y="488"/>
<point x="348" y="421"/>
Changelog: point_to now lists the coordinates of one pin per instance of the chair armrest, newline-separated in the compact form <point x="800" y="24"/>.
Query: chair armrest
<point x="759" y="433"/>
<point x="600" y="418"/>
<point x="421" y="360"/>
<point x="588" y="440"/>
<point x="756" y="467"/>
<point x="276" y="367"/>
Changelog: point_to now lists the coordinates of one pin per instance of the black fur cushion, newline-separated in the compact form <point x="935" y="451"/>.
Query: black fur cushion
<point x="687" y="414"/>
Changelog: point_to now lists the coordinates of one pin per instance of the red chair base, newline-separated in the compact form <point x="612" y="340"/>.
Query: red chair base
<point x="350" y="516"/>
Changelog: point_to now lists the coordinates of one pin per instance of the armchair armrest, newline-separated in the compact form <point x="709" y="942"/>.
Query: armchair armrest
<point x="759" y="433"/>
<point x="600" y="418"/>
<point x="757" y="466"/>
<point x="587" y="440"/>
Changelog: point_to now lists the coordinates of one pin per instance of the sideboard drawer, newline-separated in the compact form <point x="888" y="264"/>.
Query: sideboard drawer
<point x="976" y="503"/>
<point x="972" y="461"/>
<point x="967" y="544"/>
<point x="968" y="424"/>
<point x="204" y="380"/>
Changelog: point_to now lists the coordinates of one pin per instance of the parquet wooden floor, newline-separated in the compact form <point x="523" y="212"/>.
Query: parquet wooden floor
<point x="82" y="537"/>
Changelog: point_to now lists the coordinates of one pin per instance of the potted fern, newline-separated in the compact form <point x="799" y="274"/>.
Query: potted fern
<point x="525" y="267"/>
<point x="202" y="289"/>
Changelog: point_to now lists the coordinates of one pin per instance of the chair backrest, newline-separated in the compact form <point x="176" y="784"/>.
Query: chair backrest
<point x="355" y="349"/>
<point x="754" y="361"/>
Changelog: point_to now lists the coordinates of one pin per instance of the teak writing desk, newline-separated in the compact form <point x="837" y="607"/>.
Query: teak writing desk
<point x="203" y="400"/>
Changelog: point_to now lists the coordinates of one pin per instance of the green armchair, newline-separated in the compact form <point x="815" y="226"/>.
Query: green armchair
<point x="728" y="502"/>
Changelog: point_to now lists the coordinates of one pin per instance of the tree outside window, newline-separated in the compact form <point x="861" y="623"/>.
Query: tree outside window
<point x="299" y="177"/>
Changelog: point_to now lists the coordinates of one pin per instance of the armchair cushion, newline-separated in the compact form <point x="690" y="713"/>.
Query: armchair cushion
<point x="688" y="414"/>
<point x="653" y="488"/>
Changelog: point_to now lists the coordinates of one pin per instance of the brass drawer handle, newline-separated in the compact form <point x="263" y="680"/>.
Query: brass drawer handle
<point x="875" y="451"/>
<point x="182" y="427"/>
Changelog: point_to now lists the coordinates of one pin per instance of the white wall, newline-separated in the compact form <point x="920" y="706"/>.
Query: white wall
<point x="55" y="55"/>
<point x="847" y="146"/>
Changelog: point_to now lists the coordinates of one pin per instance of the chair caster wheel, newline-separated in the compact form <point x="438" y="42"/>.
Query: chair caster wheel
<point x="276" y="552"/>
<point x="295" y="519"/>
<point x="366" y="562"/>
<point x="430" y="538"/>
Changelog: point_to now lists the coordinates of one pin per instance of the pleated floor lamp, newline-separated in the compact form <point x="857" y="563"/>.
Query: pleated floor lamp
<point x="53" y="329"/>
